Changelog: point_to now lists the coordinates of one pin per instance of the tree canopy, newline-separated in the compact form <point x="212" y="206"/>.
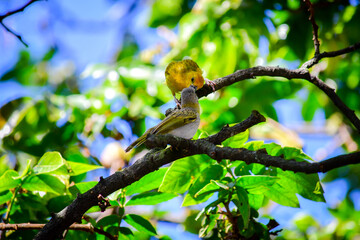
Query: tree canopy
<point x="282" y="123"/>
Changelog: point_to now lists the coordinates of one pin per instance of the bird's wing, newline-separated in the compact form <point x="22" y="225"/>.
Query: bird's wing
<point x="175" y="120"/>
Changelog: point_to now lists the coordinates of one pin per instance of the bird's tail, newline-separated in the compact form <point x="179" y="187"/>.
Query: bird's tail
<point x="136" y="143"/>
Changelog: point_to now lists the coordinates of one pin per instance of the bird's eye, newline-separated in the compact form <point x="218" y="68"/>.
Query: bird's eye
<point x="192" y="79"/>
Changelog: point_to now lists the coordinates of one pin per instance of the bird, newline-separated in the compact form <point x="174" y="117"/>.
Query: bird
<point x="182" y="74"/>
<point x="182" y="122"/>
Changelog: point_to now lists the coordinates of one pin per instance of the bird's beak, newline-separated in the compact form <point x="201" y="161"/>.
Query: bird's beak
<point x="193" y="86"/>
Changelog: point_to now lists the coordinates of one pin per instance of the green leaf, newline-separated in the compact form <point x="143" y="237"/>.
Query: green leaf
<point x="44" y="183"/>
<point x="241" y="200"/>
<point x="9" y="180"/>
<point x="209" y="225"/>
<point x="224" y="186"/>
<point x="209" y="188"/>
<point x="147" y="183"/>
<point x="26" y="170"/>
<point x="238" y="140"/>
<point x="256" y="200"/>
<point x="125" y="233"/>
<point x="273" y="149"/>
<point x="180" y="175"/>
<point x="140" y="224"/>
<point x="254" y="145"/>
<point x="82" y="187"/>
<point x="242" y="169"/>
<point x="213" y="172"/>
<point x="150" y="198"/>
<point x="295" y="153"/>
<point x="5" y="196"/>
<point x="282" y="195"/>
<point x="307" y="185"/>
<point x="310" y="106"/>
<point x="79" y="168"/>
<point x="110" y="220"/>
<point x="51" y="162"/>
<point x="256" y="184"/>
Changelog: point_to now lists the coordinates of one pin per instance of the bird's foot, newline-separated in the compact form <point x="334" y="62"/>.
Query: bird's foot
<point x="211" y="84"/>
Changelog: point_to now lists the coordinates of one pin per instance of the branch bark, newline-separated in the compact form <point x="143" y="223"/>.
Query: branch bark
<point x="182" y="148"/>
<point x="300" y="73"/>
<point x="314" y="26"/>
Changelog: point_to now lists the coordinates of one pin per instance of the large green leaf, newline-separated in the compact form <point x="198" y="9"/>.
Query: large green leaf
<point x="44" y="183"/>
<point x="147" y="183"/>
<point x="214" y="172"/>
<point x="150" y="198"/>
<point x="9" y="180"/>
<point x="79" y="168"/>
<point x="282" y="195"/>
<point x="182" y="173"/>
<point x="310" y="106"/>
<point x="241" y="200"/>
<point x="256" y="184"/>
<point x="51" y="162"/>
<point x="307" y="185"/>
<point x="238" y="140"/>
<point x="82" y="187"/>
<point x="208" y="189"/>
<point x="125" y="233"/>
<point x="256" y="200"/>
<point x="140" y="224"/>
<point x="5" y="196"/>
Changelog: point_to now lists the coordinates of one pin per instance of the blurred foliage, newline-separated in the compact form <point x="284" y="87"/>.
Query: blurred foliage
<point x="50" y="113"/>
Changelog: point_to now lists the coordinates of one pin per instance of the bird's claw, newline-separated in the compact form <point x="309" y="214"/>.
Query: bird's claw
<point x="212" y="84"/>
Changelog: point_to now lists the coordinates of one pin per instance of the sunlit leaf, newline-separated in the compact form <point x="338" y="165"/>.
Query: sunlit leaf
<point x="9" y="180"/>
<point x="150" y="198"/>
<point x="44" y="183"/>
<point x="140" y="224"/>
<point x="79" y="168"/>
<point x="147" y="183"/>
<point x="182" y="173"/>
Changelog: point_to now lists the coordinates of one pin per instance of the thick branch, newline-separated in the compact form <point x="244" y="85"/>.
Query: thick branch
<point x="304" y="74"/>
<point x="182" y="148"/>
<point x="149" y="163"/>
<point x="202" y="146"/>
<point x="2" y="17"/>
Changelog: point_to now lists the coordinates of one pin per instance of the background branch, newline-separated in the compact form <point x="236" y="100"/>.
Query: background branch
<point x="322" y="55"/>
<point x="2" y="17"/>
<point x="314" y="26"/>
<point x="300" y="73"/>
<point x="31" y="226"/>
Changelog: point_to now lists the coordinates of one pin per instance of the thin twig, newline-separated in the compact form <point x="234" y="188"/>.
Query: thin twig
<point x="322" y="55"/>
<point x="13" y="33"/>
<point x="79" y="227"/>
<point x="314" y="26"/>
<point x="2" y="17"/>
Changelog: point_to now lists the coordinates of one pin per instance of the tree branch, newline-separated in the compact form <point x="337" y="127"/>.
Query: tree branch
<point x="31" y="226"/>
<point x="203" y="146"/>
<point x="149" y="163"/>
<point x="301" y="73"/>
<point x="314" y="26"/>
<point x="2" y="17"/>
<point x="182" y="148"/>
<point x="322" y="55"/>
